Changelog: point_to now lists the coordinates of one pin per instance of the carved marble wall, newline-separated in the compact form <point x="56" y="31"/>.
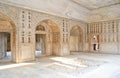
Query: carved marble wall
<point x="23" y="26"/>
<point x="25" y="22"/>
<point x="107" y="33"/>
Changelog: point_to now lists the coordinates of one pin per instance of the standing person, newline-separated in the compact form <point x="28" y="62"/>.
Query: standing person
<point x="94" y="44"/>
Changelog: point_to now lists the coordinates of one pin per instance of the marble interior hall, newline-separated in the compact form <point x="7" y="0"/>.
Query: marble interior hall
<point x="35" y="28"/>
<point x="59" y="38"/>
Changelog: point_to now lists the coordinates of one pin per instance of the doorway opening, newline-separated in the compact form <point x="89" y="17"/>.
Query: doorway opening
<point x="5" y="46"/>
<point x="40" y="37"/>
<point x="40" y="44"/>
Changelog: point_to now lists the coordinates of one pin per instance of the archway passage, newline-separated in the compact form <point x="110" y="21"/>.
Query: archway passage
<point x="7" y="39"/>
<point x="48" y="38"/>
<point x="40" y="40"/>
<point x="76" y="39"/>
<point x="40" y="44"/>
<point x="5" y="50"/>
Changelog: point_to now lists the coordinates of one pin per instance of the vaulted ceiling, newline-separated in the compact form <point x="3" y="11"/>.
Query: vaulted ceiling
<point x="85" y="10"/>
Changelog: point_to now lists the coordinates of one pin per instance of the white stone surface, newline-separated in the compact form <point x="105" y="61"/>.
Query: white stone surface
<point x="78" y="65"/>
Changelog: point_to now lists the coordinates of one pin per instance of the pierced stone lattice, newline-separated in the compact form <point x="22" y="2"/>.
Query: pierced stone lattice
<point x="107" y="30"/>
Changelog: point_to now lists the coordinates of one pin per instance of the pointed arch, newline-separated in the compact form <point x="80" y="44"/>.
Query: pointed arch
<point x="8" y="26"/>
<point x="52" y="40"/>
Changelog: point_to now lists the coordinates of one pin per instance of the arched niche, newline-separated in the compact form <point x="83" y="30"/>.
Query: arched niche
<point x="76" y="39"/>
<point x="52" y="36"/>
<point x="8" y="37"/>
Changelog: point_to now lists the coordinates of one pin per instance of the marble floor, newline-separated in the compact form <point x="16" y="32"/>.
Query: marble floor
<point x="76" y="65"/>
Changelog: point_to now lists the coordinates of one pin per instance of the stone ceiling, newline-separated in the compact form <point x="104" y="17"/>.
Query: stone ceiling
<point x="96" y="4"/>
<point x="84" y="10"/>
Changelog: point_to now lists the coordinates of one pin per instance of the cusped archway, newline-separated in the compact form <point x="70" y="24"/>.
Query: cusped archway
<point x="51" y="38"/>
<point x="7" y="37"/>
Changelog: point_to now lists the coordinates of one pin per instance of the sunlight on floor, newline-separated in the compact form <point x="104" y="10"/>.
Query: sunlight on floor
<point x="14" y="65"/>
<point x="58" y="64"/>
<point x="69" y="61"/>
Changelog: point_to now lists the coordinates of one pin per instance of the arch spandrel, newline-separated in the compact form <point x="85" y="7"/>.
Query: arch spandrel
<point x="9" y="13"/>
